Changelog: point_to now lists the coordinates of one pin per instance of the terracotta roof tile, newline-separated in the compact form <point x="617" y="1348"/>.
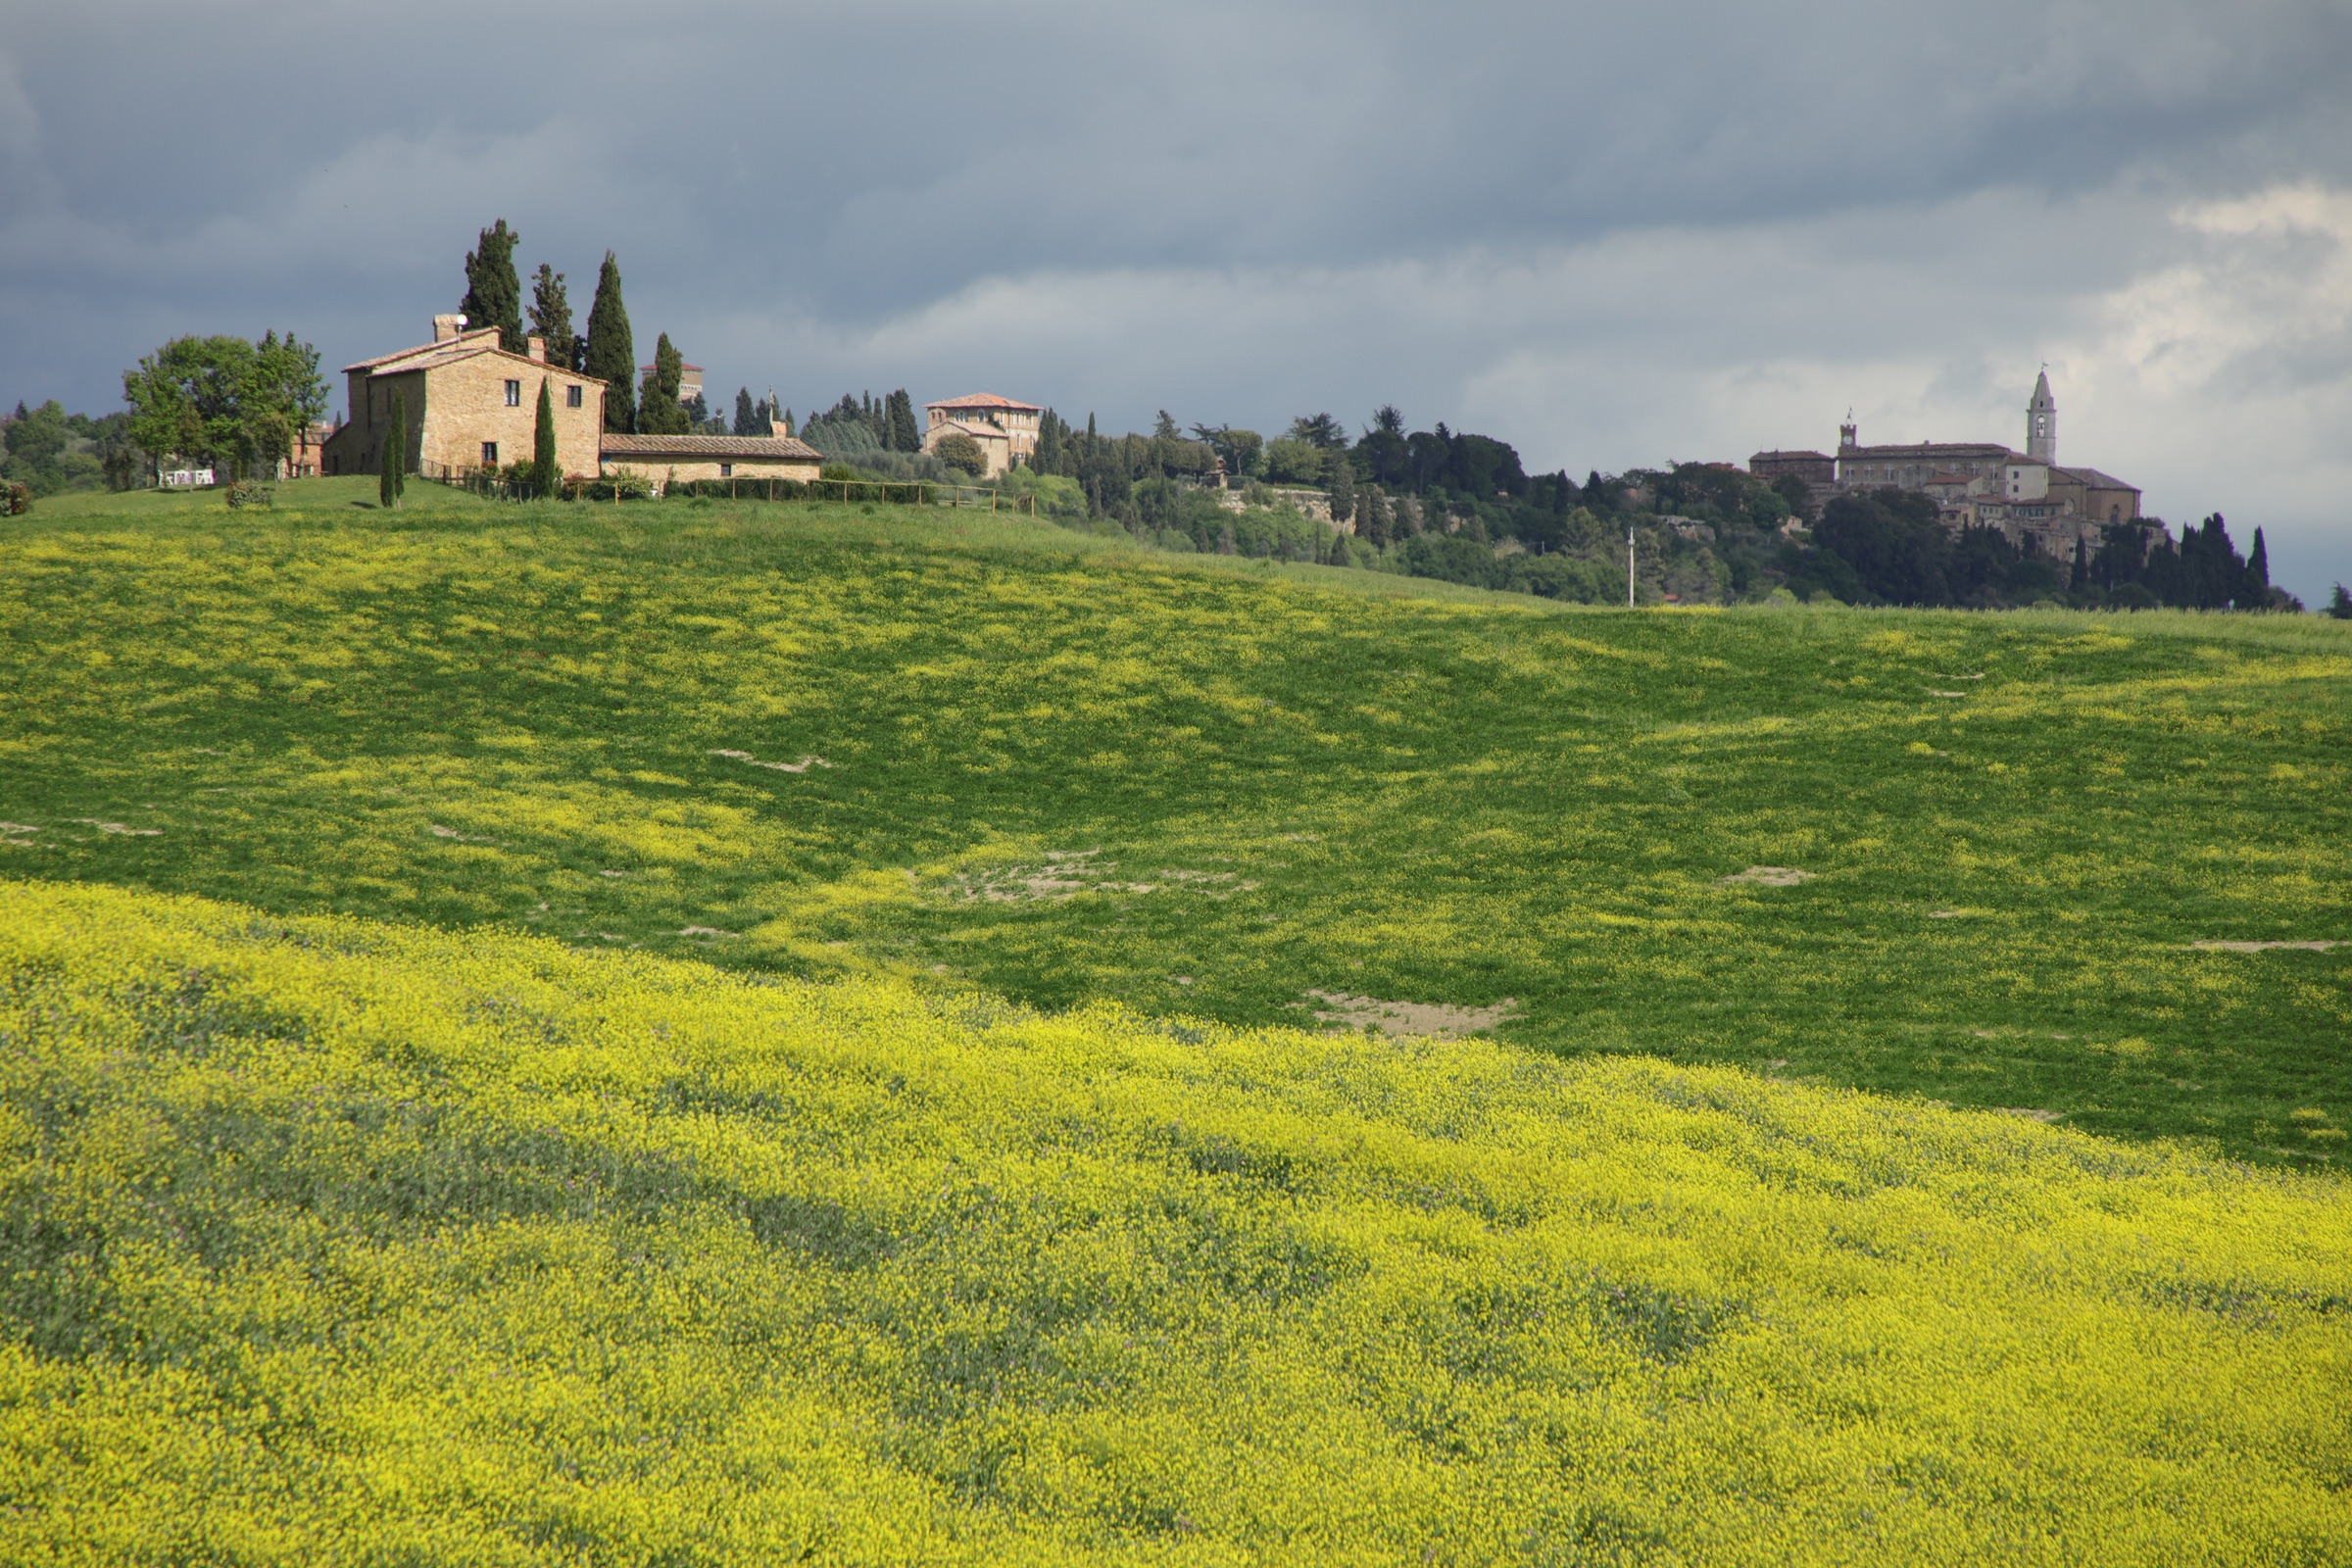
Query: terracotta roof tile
<point x="984" y="400"/>
<point x="771" y="447"/>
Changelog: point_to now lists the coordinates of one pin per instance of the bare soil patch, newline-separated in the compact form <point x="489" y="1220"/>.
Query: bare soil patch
<point x="1408" y="1018"/>
<point x="1772" y="876"/>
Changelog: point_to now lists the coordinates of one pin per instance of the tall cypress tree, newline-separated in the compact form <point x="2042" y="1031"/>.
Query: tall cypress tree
<point x="746" y="418"/>
<point x="904" y="436"/>
<point x="394" y="468"/>
<point x="611" y="351"/>
<point x="658" y="411"/>
<point x="551" y="317"/>
<point x="2258" y="565"/>
<point x="493" y="293"/>
<point x="547" y="474"/>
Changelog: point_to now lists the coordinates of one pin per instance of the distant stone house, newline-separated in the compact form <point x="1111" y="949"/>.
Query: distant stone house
<point x="305" y="458"/>
<point x="663" y="459"/>
<point x="470" y="405"/>
<point x="689" y="381"/>
<point x="1006" y="430"/>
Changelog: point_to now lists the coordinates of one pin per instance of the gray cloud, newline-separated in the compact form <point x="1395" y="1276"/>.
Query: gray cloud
<point x="1612" y="234"/>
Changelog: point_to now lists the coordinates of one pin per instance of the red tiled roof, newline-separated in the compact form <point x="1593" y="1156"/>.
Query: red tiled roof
<point x="984" y="400"/>
<point x="464" y="346"/>
<point x="711" y="445"/>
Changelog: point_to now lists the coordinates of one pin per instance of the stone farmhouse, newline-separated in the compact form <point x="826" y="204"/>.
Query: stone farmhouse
<point x="2029" y="495"/>
<point x="1006" y="430"/>
<point x="668" y="458"/>
<point x="471" y="404"/>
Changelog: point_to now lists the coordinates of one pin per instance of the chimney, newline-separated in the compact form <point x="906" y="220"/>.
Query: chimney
<point x="447" y="327"/>
<point x="536" y="347"/>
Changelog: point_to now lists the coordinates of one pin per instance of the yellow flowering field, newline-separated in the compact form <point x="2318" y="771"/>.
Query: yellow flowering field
<point x="335" y="1241"/>
<point x="2082" y="867"/>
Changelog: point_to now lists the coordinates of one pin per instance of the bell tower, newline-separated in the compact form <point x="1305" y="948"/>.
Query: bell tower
<point x="2041" y="420"/>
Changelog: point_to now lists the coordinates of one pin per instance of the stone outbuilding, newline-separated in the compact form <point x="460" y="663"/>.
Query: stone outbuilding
<point x="663" y="459"/>
<point x="470" y="403"/>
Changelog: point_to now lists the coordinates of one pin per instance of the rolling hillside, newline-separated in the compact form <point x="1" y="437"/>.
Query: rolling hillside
<point x="1980" y="859"/>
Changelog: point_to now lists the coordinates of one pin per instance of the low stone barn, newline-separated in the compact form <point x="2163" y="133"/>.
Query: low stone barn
<point x="663" y="459"/>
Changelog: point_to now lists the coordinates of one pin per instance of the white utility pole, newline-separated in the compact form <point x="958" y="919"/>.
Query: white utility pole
<point x="1629" y="565"/>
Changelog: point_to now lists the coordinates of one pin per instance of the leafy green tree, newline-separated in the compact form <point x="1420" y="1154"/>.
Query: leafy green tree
<point x="493" y="293"/>
<point x="35" y="439"/>
<point x="960" y="451"/>
<point x="612" y="354"/>
<point x="551" y="317"/>
<point x="546" y="473"/>
<point x="392" y="470"/>
<point x="1290" y="460"/>
<point x="2340" y="605"/>
<point x="1319" y="431"/>
<point x="216" y="399"/>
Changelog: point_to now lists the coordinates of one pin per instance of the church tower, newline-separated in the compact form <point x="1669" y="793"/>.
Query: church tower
<point x="2042" y="421"/>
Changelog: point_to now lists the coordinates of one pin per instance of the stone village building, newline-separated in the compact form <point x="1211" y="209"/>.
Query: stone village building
<point x="470" y="403"/>
<point x="2027" y="494"/>
<point x="1007" y="430"/>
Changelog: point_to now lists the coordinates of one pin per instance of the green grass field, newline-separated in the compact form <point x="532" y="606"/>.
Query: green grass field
<point x="687" y="1034"/>
<point x="1060" y="770"/>
<point x="362" y="1245"/>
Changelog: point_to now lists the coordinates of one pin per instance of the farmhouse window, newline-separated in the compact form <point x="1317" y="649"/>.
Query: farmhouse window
<point x="489" y="453"/>
<point x="571" y="397"/>
<point x="514" y="394"/>
<point x="726" y="471"/>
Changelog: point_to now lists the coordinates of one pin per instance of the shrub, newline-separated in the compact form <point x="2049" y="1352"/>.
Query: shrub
<point x="249" y="493"/>
<point x="626" y="485"/>
<point x="959" y="451"/>
<point x="16" y="500"/>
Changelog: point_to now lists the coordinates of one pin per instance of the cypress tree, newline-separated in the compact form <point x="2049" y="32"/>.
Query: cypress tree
<point x="660" y="412"/>
<point x="393" y="466"/>
<point x="547" y="474"/>
<point x="746" y="418"/>
<point x="493" y="293"/>
<point x="1048" y="442"/>
<point x="551" y="317"/>
<point x="611" y="351"/>
<point x="900" y="415"/>
<point x="2258" y="565"/>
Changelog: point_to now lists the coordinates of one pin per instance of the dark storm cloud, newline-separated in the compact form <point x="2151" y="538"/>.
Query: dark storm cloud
<point x="1223" y="207"/>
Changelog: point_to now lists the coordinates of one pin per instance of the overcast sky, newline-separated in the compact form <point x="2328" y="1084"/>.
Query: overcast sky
<point x="1613" y="235"/>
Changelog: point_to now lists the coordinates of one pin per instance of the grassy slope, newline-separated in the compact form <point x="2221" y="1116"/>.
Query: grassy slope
<point x="334" y="1243"/>
<point x="1326" y="780"/>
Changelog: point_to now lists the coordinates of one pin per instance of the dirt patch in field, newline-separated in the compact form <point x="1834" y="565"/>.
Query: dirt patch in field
<point x="1772" y="876"/>
<point x="2030" y="1113"/>
<point x="124" y="828"/>
<point x="1066" y="873"/>
<point x="801" y="766"/>
<point x="1404" y="1018"/>
<point x="2264" y="947"/>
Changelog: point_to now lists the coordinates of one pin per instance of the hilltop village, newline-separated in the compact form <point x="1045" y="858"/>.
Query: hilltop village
<point x="505" y="398"/>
